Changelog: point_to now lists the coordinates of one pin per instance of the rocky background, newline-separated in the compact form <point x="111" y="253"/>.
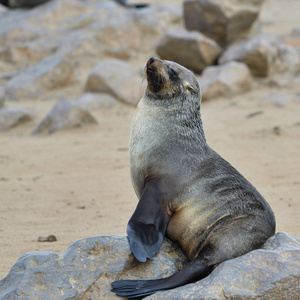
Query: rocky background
<point x="75" y="63"/>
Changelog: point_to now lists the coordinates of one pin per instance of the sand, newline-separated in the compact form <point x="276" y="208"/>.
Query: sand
<point x="76" y="184"/>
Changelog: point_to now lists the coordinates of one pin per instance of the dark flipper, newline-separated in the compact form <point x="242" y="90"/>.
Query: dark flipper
<point x="22" y="3"/>
<point x="148" y="224"/>
<point x="131" y="289"/>
<point x="126" y="4"/>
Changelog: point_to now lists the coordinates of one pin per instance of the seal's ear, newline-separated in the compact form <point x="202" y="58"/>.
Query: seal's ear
<point x="187" y="85"/>
<point x="147" y="226"/>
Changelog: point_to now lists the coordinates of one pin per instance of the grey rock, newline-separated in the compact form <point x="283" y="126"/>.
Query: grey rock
<point x="11" y="32"/>
<point x="24" y="3"/>
<point x="276" y="98"/>
<point x="188" y="48"/>
<point x="92" y="101"/>
<point x="125" y="30"/>
<point x="222" y="21"/>
<point x="2" y="96"/>
<point x="287" y="59"/>
<point x="52" y="72"/>
<point x="30" y="52"/>
<point x="225" y="80"/>
<point x="13" y="116"/>
<point x="81" y="32"/>
<point x="117" y="78"/>
<point x="83" y="50"/>
<point x="135" y="30"/>
<point x="120" y="52"/>
<point x="85" y="270"/>
<point x="8" y="75"/>
<point x="262" y="54"/>
<point x="272" y="272"/>
<point x="48" y="25"/>
<point x="296" y="32"/>
<point x="291" y="39"/>
<point x="65" y="114"/>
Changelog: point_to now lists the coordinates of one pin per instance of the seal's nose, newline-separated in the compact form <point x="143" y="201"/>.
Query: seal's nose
<point x="151" y="60"/>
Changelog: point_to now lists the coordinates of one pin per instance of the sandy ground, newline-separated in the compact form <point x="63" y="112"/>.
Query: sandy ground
<point x="76" y="184"/>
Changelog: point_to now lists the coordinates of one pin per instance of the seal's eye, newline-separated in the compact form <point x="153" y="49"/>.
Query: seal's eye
<point x="173" y="74"/>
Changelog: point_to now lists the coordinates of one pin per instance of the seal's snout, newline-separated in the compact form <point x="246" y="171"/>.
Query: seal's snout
<point x="150" y="63"/>
<point x="155" y="78"/>
<point x="151" y="60"/>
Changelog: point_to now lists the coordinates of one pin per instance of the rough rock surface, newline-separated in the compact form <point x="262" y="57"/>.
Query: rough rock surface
<point x="65" y="114"/>
<point x="25" y="3"/>
<point x="222" y="21"/>
<point x="81" y="29"/>
<point x="188" y="48"/>
<point x="263" y="55"/>
<point x="91" y="101"/>
<point x="225" y="80"/>
<point x="292" y="39"/>
<point x="86" y="269"/>
<point x="52" y="72"/>
<point x="54" y="45"/>
<point x="27" y="52"/>
<point x="13" y="116"/>
<point x="287" y="59"/>
<point x="272" y="272"/>
<point x="117" y="78"/>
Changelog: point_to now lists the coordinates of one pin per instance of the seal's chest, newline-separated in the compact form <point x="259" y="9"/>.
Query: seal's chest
<point x="150" y="129"/>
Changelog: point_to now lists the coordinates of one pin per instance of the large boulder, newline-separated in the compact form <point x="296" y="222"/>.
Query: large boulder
<point x="272" y="272"/>
<point x="134" y="30"/>
<point x="52" y="72"/>
<point x="28" y="52"/>
<point x="222" y="21"/>
<point x="83" y="29"/>
<point x="86" y="269"/>
<point x="25" y="3"/>
<point x="93" y="101"/>
<point x="14" y="116"/>
<point x="188" y="48"/>
<point x="225" y="80"/>
<point x="287" y="59"/>
<point x="117" y="78"/>
<point x="263" y="54"/>
<point x="292" y="39"/>
<point x="65" y="114"/>
<point x="43" y="46"/>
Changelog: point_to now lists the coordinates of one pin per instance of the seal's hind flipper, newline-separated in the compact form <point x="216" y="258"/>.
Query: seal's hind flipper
<point x="148" y="224"/>
<point x="135" y="288"/>
<point x="193" y="271"/>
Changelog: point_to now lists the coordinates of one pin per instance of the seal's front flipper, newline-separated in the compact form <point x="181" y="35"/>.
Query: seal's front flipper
<point x="148" y="224"/>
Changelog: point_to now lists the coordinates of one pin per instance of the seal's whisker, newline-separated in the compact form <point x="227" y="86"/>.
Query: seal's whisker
<point x="142" y="89"/>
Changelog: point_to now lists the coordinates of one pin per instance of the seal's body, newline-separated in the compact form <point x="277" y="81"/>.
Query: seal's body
<point x="186" y="190"/>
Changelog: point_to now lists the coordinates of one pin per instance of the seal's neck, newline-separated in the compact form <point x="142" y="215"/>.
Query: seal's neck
<point x="185" y="113"/>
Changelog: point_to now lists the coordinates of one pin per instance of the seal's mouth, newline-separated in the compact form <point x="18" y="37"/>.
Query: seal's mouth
<point x="154" y="75"/>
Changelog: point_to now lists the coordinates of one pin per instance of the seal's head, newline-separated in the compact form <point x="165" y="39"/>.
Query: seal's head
<point x="167" y="79"/>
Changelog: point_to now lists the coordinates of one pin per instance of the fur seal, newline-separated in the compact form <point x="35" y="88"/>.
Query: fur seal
<point x="186" y="190"/>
